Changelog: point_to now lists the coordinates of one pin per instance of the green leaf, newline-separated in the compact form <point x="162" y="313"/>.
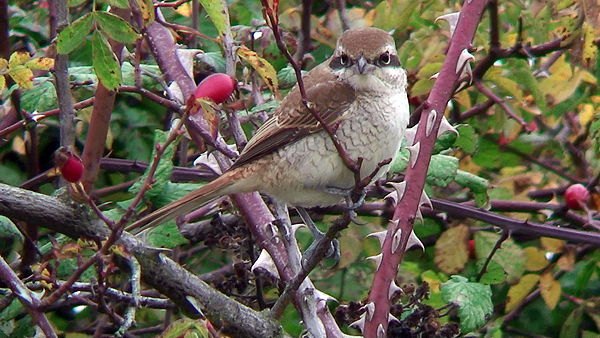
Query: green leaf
<point x="584" y="276"/>
<point x="527" y="80"/>
<point x="467" y="139"/>
<point x="474" y="301"/>
<point x="571" y="325"/>
<point x="443" y="142"/>
<point x="163" y="170"/>
<point x="494" y="274"/>
<point x="106" y="64"/>
<point x="182" y="327"/>
<point x="510" y="256"/>
<point x="475" y="183"/>
<point x="115" y="27"/>
<point x="74" y="3"/>
<point x="214" y="60"/>
<point x="73" y="35"/>
<point x="41" y="97"/>
<point x="119" y="3"/>
<point x="287" y="76"/>
<point x="218" y="13"/>
<point x="173" y="192"/>
<point x="165" y="236"/>
<point x="442" y="170"/>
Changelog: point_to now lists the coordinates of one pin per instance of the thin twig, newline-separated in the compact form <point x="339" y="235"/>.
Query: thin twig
<point x="504" y="236"/>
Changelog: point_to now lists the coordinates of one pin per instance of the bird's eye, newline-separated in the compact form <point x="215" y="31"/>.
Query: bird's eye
<point x="385" y="59"/>
<point x="344" y="60"/>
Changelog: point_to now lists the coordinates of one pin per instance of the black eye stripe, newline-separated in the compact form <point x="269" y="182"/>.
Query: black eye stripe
<point x="343" y="61"/>
<point x="393" y="61"/>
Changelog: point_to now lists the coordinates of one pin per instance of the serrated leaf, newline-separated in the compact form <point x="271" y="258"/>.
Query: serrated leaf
<point x="451" y="249"/>
<point x="494" y="273"/>
<point x="165" y="236"/>
<point x="22" y="76"/>
<point x="442" y="170"/>
<point x="536" y="260"/>
<point x="163" y="170"/>
<point x="214" y="60"/>
<point x="550" y="289"/>
<point x="262" y="66"/>
<point x="18" y="59"/>
<point x="105" y="62"/>
<point x="571" y="325"/>
<point x="74" y="34"/>
<point x="40" y="63"/>
<point x="218" y="13"/>
<point x="41" y="97"/>
<point x="467" y="139"/>
<point x="510" y="256"/>
<point x="115" y="27"/>
<point x="287" y="76"/>
<point x="519" y="291"/>
<point x="474" y="301"/>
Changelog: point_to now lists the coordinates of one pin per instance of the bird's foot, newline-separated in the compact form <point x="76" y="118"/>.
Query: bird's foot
<point x="334" y="247"/>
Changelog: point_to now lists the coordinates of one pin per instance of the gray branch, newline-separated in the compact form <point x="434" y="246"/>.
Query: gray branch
<point x="185" y="289"/>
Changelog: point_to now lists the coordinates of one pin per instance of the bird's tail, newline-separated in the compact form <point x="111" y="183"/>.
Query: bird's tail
<point x="187" y="203"/>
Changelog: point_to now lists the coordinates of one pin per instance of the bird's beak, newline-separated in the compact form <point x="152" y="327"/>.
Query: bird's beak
<point x="362" y="65"/>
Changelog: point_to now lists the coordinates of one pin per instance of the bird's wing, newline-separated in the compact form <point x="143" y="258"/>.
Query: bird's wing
<point x="292" y="120"/>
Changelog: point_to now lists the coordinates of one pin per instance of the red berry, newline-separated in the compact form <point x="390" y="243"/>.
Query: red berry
<point x="217" y="87"/>
<point x="577" y="196"/>
<point x="70" y="165"/>
<point x="472" y="249"/>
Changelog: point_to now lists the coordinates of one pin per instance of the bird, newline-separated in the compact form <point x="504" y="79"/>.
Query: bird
<point x="360" y="91"/>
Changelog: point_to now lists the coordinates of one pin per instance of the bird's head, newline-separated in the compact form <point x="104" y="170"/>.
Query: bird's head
<point x="366" y="59"/>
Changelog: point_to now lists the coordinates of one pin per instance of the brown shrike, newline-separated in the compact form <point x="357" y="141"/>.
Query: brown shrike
<point x="360" y="92"/>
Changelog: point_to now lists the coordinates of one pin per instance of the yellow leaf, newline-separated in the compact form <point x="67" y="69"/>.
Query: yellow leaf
<point x="586" y="114"/>
<point x="40" y="63"/>
<point x="18" y="146"/>
<point x="3" y="63"/>
<point x="184" y="9"/>
<point x="350" y="245"/>
<point x="590" y="51"/>
<point x="552" y="244"/>
<point x="588" y="77"/>
<point x="567" y="261"/>
<point x="550" y="290"/>
<point x="18" y="58"/>
<point x="536" y="260"/>
<point x="451" y="249"/>
<point x="562" y="83"/>
<point x="519" y="291"/>
<point x="2" y="83"/>
<point x="22" y="76"/>
<point x="262" y="66"/>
